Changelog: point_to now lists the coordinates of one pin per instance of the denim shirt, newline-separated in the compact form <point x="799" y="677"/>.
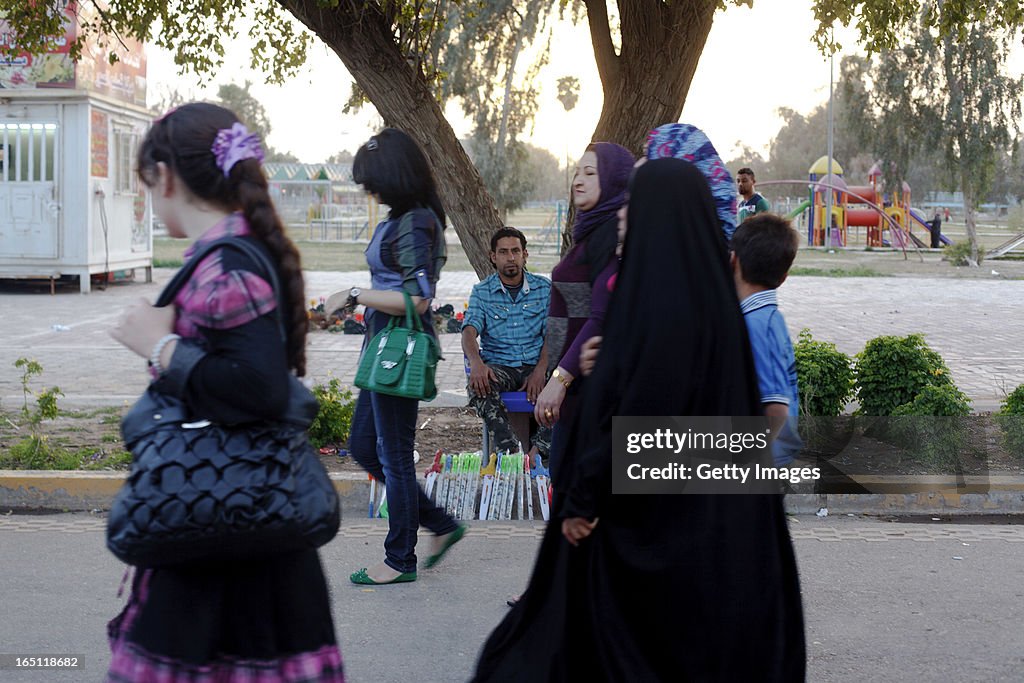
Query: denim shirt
<point x="404" y="261"/>
<point x="511" y="332"/>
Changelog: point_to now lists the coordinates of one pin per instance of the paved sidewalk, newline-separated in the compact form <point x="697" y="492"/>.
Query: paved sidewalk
<point x="882" y="601"/>
<point x="975" y="324"/>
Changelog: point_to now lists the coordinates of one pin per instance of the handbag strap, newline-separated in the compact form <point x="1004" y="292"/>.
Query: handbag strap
<point x="252" y="251"/>
<point x="412" y="320"/>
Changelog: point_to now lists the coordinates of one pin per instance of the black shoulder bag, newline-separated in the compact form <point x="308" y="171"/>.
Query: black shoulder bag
<point x="199" y="491"/>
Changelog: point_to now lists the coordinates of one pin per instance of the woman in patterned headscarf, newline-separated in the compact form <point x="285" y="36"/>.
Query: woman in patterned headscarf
<point x="654" y="586"/>
<point x="689" y="143"/>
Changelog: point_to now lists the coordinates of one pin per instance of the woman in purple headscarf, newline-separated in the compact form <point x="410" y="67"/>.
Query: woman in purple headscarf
<point x="689" y="143"/>
<point x="579" y="292"/>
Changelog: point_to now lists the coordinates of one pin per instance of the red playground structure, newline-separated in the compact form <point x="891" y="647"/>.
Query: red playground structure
<point x="861" y="206"/>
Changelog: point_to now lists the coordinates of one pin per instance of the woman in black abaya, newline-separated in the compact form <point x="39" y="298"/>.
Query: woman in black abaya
<point x="660" y="587"/>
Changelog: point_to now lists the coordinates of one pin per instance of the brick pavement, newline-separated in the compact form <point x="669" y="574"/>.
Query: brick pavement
<point x="804" y="528"/>
<point x="974" y="324"/>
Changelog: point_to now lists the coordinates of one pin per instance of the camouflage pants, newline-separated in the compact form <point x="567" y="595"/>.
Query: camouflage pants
<point x="495" y="416"/>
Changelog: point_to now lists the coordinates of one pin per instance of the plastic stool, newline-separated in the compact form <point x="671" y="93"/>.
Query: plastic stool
<point x="520" y="412"/>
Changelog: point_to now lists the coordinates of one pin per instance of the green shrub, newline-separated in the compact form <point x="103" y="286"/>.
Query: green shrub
<point x="943" y="400"/>
<point x="933" y="427"/>
<point x="824" y="376"/>
<point x="334" y="420"/>
<point x="1011" y="422"/>
<point x="959" y="253"/>
<point x="892" y="371"/>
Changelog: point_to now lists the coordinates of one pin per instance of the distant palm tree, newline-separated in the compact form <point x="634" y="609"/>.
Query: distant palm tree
<point x="568" y="95"/>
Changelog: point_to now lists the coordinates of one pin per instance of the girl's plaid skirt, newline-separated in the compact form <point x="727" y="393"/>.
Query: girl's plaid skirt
<point x="264" y="621"/>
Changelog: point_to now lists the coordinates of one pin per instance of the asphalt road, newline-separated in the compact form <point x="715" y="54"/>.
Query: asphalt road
<point x="883" y="601"/>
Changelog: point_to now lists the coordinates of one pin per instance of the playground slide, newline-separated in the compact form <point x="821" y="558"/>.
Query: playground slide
<point x="917" y="217"/>
<point x="1006" y="247"/>
<point x="798" y="210"/>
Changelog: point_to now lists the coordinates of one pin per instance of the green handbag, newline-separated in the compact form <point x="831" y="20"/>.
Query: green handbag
<point x="401" y="360"/>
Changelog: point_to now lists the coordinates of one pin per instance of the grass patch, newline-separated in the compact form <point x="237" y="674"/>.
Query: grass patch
<point x="343" y="256"/>
<point x="80" y="414"/>
<point x="117" y="459"/>
<point x="112" y="419"/>
<point x="856" y="271"/>
<point x="37" y="453"/>
<point x="42" y="453"/>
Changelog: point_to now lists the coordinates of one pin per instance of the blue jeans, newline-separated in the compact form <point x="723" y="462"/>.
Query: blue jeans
<point x="381" y="441"/>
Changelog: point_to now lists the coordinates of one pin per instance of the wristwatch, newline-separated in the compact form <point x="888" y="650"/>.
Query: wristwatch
<point x="353" y="297"/>
<point x="562" y="377"/>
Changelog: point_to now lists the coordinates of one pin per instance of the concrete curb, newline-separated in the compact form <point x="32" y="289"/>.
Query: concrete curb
<point x="83" y="491"/>
<point x="997" y="494"/>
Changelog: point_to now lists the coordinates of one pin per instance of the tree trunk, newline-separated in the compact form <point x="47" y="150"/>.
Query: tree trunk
<point x="969" y="217"/>
<point x="362" y="37"/>
<point x="667" y="39"/>
<point x="657" y="37"/>
<point x="955" y="112"/>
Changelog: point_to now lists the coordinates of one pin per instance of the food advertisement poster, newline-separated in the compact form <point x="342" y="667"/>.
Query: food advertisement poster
<point x="124" y="80"/>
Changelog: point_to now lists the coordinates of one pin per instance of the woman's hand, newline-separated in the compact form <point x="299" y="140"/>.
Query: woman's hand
<point x="336" y="301"/>
<point x="588" y="355"/>
<point x="141" y="326"/>
<point x="575" y="529"/>
<point x="549" y="403"/>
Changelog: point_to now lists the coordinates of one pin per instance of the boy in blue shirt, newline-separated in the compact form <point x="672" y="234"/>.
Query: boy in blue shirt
<point x="763" y="249"/>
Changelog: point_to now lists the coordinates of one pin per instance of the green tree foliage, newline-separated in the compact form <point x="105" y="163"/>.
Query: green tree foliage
<point x="394" y="51"/>
<point x="882" y="22"/>
<point x="568" y="92"/>
<point x="801" y="138"/>
<point x="342" y="157"/>
<point x="240" y="100"/>
<point x="547" y="173"/>
<point x="482" y="71"/>
<point x="944" y="92"/>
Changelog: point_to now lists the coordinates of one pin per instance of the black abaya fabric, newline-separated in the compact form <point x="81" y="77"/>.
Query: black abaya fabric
<point x="666" y="588"/>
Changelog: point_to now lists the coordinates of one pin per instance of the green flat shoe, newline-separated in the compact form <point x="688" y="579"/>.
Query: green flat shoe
<point x="363" y="579"/>
<point x="453" y="538"/>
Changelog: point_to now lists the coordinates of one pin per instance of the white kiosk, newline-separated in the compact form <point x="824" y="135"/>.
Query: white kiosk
<point x="70" y="201"/>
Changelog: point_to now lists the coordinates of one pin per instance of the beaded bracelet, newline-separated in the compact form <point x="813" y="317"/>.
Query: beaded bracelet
<point x="155" y="368"/>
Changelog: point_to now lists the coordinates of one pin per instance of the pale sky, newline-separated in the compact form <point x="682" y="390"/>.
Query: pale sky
<point x="755" y="61"/>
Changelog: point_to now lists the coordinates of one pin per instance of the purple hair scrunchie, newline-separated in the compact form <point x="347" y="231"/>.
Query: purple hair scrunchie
<point x="235" y="144"/>
<point x="689" y="143"/>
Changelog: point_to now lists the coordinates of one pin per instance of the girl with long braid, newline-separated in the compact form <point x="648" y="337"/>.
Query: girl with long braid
<point x="218" y="348"/>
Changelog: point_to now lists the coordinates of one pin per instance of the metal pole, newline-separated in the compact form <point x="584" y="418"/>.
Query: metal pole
<point x="828" y="195"/>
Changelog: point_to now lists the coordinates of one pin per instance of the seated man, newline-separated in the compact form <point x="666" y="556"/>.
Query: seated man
<point x="508" y="313"/>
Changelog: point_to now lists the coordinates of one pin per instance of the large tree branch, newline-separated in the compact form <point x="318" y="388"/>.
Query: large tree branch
<point x="359" y="34"/>
<point x="601" y="37"/>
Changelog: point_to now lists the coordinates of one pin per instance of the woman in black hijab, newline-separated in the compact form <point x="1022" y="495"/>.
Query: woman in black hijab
<point x="660" y="587"/>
